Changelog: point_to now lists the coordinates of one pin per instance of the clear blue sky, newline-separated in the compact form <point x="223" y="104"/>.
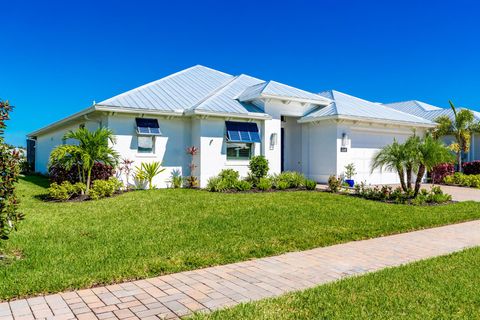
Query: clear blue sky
<point x="57" y="57"/>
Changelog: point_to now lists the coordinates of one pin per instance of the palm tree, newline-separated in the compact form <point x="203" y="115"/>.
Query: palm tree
<point x="430" y="153"/>
<point x="148" y="171"/>
<point x="92" y="147"/>
<point x="461" y="128"/>
<point x="392" y="157"/>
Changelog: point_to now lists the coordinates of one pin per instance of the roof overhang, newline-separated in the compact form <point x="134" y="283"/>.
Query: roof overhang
<point x="319" y="102"/>
<point x="370" y="120"/>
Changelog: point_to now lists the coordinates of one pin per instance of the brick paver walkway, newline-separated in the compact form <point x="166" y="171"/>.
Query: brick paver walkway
<point x="180" y="294"/>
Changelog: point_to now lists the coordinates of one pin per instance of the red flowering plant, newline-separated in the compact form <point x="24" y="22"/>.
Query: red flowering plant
<point x="191" y="180"/>
<point x="9" y="172"/>
<point x="441" y="171"/>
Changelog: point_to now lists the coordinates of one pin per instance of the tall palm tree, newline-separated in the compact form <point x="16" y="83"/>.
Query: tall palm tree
<point x="461" y="128"/>
<point x="392" y="157"/>
<point x="430" y="153"/>
<point x="92" y="147"/>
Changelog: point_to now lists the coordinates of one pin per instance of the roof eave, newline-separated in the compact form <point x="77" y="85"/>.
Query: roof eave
<point x="61" y="122"/>
<point x="320" y="102"/>
<point x="367" y="119"/>
<point x="119" y="109"/>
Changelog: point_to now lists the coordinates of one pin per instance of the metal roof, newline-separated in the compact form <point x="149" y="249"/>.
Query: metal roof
<point x="277" y="89"/>
<point x="350" y="106"/>
<point x="179" y="91"/>
<point x="426" y="111"/>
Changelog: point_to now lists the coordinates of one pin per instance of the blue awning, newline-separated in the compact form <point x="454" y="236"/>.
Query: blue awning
<point x="148" y="126"/>
<point x="246" y="132"/>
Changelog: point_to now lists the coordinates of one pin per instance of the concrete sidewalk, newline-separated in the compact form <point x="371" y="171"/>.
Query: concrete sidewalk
<point x="180" y="294"/>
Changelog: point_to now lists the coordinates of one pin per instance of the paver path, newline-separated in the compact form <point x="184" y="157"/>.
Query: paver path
<point x="180" y="294"/>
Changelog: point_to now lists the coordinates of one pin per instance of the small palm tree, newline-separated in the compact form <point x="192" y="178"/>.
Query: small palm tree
<point x="148" y="171"/>
<point x="92" y="147"/>
<point x="461" y="128"/>
<point x="392" y="157"/>
<point x="430" y="153"/>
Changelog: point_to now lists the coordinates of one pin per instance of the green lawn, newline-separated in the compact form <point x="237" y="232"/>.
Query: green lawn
<point x="441" y="288"/>
<point x="147" y="233"/>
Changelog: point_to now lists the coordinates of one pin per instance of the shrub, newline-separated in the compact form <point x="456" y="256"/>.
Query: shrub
<point x="230" y="176"/>
<point x="264" y="184"/>
<point x="464" y="180"/>
<point x="66" y="190"/>
<point x="282" y="185"/>
<point x="310" y="184"/>
<point x="176" y="179"/>
<point x="104" y="188"/>
<point x="441" y="171"/>
<point x="58" y="174"/>
<point x="350" y="171"/>
<point x="334" y="184"/>
<point x="217" y="184"/>
<point x="472" y="167"/>
<point x="243" y="185"/>
<point x="258" y="167"/>
<point x="291" y="178"/>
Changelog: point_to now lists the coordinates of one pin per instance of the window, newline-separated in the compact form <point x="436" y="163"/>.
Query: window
<point x="147" y="129"/>
<point x="145" y="144"/>
<point x="239" y="151"/>
<point x="241" y="138"/>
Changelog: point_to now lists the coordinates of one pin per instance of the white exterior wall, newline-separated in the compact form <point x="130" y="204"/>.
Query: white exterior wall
<point x="45" y="143"/>
<point x="169" y="149"/>
<point x="210" y="133"/>
<point x="319" y="153"/>
<point x="292" y="144"/>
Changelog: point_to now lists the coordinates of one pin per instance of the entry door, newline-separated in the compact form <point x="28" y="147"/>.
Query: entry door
<point x="282" y="148"/>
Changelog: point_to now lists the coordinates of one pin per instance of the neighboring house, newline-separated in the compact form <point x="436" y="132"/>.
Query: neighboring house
<point x="231" y="118"/>
<point x="429" y="112"/>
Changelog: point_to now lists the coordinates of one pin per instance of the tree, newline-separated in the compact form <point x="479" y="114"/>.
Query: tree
<point x="9" y="172"/>
<point x="461" y="128"/>
<point x="429" y="153"/>
<point x="393" y="158"/>
<point x="92" y="147"/>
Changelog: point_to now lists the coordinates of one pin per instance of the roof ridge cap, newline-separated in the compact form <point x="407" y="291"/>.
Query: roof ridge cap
<point x="213" y="93"/>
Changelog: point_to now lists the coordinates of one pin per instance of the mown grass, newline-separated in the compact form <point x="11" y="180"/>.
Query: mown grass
<point x="441" y="288"/>
<point x="146" y="233"/>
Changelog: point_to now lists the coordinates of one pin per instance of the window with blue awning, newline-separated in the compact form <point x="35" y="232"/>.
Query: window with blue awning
<point x="244" y="132"/>
<point x="148" y="127"/>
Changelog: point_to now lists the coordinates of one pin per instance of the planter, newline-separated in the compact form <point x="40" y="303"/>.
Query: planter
<point x="350" y="182"/>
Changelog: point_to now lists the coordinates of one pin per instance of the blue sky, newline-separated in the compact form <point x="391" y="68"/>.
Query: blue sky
<point x="57" y="57"/>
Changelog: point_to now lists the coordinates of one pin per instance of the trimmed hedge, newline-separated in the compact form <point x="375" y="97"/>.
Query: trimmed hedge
<point x="58" y="174"/>
<point x="472" y="167"/>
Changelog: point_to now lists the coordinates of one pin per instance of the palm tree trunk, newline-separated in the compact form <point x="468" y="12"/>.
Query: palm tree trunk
<point x="418" y="181"/>
<point x="409" y="176"/>
<point x="401" y="175"/>
<point x="459" y="160"/>
<point x="89" y="175"/>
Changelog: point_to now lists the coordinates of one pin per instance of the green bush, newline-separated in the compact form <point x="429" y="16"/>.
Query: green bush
<point x="291" y="178"/>
<point x="464" y="180"/>
<point x="104" y="188"/>
<point x="227" y="179"/>
<point x="310" y="184"/>
<point x="258" y="167"/>
<point x="334" y="184"/>
<point x="282" y="185"/>
<point x="264" y="184"/>
<point x="243" y="185"/>
<point x="66" y="190"/>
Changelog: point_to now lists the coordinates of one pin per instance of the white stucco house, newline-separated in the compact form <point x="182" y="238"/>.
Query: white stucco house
<point x="231" y="118"/>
